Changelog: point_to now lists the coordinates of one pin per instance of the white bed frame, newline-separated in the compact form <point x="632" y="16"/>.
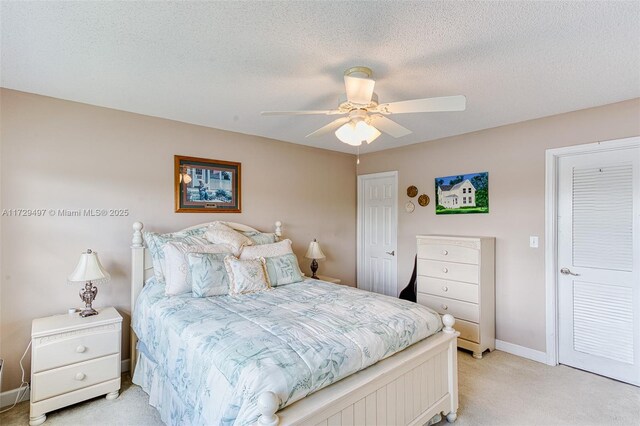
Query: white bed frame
<point x="408" y="388"/>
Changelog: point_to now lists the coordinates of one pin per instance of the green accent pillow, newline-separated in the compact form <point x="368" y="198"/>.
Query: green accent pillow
<point x="260" y="238"/>
<point x="283" y="270"/>
<point x="208" y="274"/>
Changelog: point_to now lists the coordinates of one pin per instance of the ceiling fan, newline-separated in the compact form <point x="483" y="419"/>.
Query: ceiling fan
<point x="365" y="117"/>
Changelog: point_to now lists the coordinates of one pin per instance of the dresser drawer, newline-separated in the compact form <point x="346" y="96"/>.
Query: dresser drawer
<point x="57" y="351"/>
<point x="449" y="289"/>
<point x="448" y="271"/>
<point x="448" y="253"/>
<point x="73" y="377"/>
<point x="463" y="310"/>
<point x="468" y="330"/>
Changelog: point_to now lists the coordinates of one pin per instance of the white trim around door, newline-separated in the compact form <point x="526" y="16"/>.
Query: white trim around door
<point x="360" y="223"/>
<point x="551" y="242"/>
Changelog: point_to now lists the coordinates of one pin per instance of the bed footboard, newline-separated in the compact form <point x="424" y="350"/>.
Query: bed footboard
<point x="408" y="388"/>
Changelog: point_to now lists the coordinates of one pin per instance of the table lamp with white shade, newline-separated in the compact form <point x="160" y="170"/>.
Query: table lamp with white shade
<point x="314" y="252"/>
<point x="90" y="272"/>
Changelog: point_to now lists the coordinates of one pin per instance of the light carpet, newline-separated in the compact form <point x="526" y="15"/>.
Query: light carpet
<point x="500" y="389"/>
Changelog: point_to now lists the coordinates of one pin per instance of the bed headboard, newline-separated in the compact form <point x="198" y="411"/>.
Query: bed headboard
<point x="142" y="267"/>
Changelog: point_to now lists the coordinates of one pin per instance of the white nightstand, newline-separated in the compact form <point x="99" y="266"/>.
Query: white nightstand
<point x="73" y="359"/>
<point x="330" y="279"/>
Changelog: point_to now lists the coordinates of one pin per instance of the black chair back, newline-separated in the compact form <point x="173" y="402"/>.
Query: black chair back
<point x="409" y="292"/>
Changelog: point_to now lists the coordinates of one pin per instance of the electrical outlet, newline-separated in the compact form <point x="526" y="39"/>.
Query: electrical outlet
<point x="533" y="241"/>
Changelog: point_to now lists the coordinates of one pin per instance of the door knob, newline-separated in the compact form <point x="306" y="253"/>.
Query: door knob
<point x="81" y="349"/>
<point x="80" y="376"/>
<point x="391" y="253"/>
<point x="567" y="271"/>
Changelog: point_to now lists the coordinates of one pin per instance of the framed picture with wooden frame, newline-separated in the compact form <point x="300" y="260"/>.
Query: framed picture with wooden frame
<point x="207" y="186"/>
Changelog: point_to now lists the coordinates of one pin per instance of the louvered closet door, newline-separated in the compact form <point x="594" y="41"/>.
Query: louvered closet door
<point x="598" y="277"/>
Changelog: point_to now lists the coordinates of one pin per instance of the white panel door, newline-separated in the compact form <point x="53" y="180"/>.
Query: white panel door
<point x="377" y="225"/>
<point x="598" y="266"/>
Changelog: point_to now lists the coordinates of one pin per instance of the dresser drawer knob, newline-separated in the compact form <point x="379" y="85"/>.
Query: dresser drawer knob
<point x="445" y="270"/>
<point x="445" y="252"/>
<point x="80" y="376"/>
<point x="445" y="307"/>
<point x="445" y="288"/>
<point x="81" y="349"/>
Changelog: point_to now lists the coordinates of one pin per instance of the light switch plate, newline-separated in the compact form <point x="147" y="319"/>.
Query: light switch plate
<point x="533" y="241"/>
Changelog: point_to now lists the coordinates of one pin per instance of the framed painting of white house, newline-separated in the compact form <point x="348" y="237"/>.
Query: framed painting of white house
<point x="206" y="186"/>
<point x="462" y="194"/>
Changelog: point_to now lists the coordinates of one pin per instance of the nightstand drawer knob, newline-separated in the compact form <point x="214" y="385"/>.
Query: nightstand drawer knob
<point x="445" y="252"/>
<point x="80" y="376"/>
<point x="445" y="270"/>
<point x="81" y="349"/>
<point x="445" y="307"/>
<point x="445" y="288"/>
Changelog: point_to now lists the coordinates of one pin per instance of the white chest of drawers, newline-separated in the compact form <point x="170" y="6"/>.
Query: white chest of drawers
<point x="73" y="359"/>
<point x="456" y="275"/>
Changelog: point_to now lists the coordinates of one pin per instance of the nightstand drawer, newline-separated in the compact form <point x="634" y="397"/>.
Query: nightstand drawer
<point x="450" y="289"/>
<point x="448" y="253"/>
<point x="57" y="351"/>
<point x="73" y="377"/>
<point x="448" y="271"/>
<point x="463" y="310"/>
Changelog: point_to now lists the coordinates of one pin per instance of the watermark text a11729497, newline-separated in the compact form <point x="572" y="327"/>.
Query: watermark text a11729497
<point x="88" y="212"/>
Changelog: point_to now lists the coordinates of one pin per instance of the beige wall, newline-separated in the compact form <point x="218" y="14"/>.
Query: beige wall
<point x="514" y="156"/>
<point x="57" y="154"/>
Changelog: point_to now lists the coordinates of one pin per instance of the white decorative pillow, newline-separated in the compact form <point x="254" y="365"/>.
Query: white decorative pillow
<point x="246" y="276"/>
<point x="177" y="277"/>
<point x="155" y="245"/>
<point x="266" y="250"/>
<point x="219" y="233"/>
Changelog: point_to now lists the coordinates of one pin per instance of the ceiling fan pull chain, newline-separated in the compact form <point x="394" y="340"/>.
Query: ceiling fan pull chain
<point x="358" y="155"/>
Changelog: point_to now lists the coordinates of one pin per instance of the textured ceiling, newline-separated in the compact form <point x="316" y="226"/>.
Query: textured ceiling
<point x="220" y="64"/>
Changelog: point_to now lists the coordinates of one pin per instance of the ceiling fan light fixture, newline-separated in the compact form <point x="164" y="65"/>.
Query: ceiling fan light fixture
<point x="357" y="131"/>
<point x="366" y="132"/>
<point x="346" y="134"/>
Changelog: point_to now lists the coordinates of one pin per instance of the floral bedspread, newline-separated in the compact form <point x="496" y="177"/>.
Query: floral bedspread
<point x="212" y="357"/>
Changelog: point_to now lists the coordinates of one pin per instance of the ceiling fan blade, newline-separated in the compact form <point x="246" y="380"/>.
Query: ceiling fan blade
<point x="390" y="127"/>
<point x="322" y="112"/>
<point x="329" y="127"/>
<point x="359" y="90"/>
<point x="445" y="103"/>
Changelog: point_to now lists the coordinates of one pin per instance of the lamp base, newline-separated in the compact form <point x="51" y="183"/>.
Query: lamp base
<point x="314" y="269"/>
<point x="87" y="295"/>
<point x="87" y="312"/>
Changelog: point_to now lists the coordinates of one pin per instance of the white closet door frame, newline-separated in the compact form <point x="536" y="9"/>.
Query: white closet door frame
<point x="360" y="235"/>
<point x="551" y="241"/>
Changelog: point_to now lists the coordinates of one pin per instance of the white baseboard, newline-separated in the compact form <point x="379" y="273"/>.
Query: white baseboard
<point x="521" y="351"/>
<point x="9" y="397"/>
